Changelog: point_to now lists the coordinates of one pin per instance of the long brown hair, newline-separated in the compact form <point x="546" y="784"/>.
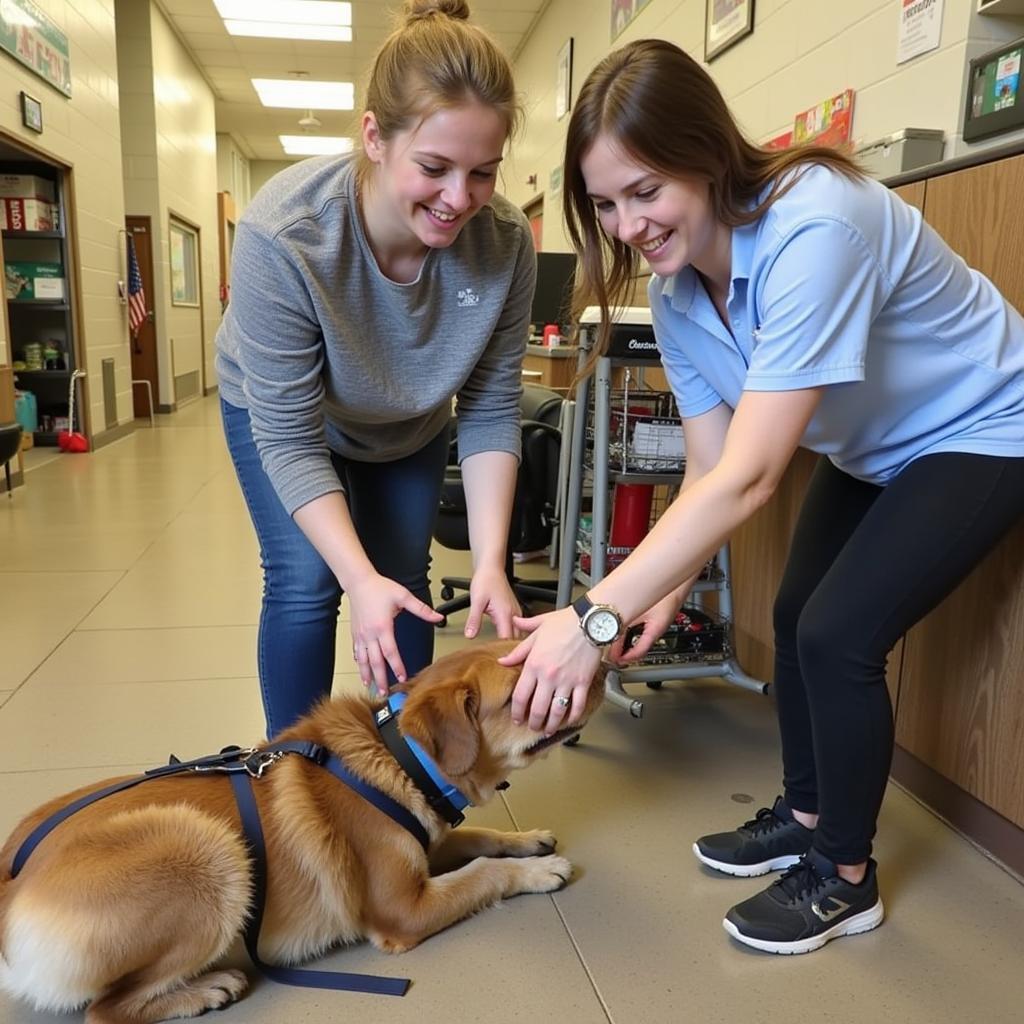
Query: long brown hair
<point x="436" y="59"/>
<point x="664" y="110"/>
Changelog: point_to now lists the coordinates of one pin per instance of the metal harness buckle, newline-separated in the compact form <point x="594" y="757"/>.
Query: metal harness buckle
<point x="259" y="761"/>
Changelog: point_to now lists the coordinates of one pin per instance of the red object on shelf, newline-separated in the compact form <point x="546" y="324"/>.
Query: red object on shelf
<point x="631" y="514"/>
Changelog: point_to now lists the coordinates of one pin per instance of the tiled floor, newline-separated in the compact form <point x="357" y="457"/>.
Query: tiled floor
<point x="129" y="593"/>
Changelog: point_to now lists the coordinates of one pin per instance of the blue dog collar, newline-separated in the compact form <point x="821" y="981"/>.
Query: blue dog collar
<point x="450" y="793"/>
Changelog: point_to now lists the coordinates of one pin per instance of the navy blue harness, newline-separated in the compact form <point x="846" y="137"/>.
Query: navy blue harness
<point x="243" y="765"/>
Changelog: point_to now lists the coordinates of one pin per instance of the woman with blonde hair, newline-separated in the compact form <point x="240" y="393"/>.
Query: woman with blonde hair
<point x="796" y="303"/>
<point x="367" y="293"/>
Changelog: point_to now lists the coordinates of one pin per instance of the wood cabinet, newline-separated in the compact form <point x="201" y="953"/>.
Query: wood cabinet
<point x="957" y="678"/>
<point x="961" y="709"/>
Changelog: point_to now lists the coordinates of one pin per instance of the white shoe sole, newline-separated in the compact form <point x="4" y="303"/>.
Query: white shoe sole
<point x="862" y="922"/>
<point x="747" y="870"/>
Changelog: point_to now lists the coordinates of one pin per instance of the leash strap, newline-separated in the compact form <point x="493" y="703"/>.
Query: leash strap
<point x="337" y="980"/>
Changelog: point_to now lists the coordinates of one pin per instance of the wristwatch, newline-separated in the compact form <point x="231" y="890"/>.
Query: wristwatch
<point x="601" y="623"/>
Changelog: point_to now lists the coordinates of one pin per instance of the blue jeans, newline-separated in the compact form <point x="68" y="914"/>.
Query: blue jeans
<point x="393" y="507"/>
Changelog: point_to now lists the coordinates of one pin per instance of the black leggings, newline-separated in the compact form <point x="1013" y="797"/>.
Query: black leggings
<point x="866" y="563"/>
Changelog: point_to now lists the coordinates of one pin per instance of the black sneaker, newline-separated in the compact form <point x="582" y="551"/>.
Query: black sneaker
<point x="807" y="907"/>
<point x="772" y="840"/>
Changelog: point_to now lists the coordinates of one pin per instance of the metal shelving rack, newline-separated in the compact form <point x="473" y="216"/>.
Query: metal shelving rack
<point x="40" y="320"/>
<point x="632" y="347"/>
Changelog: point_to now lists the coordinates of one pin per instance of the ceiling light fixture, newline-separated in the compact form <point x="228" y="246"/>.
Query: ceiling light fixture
<point x="287" y="19"/>
<point x="301" y="94"/>
<point x="315" y="145"/>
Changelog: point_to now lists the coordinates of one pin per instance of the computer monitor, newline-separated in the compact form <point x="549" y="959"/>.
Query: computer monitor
<point x="552" y="301"/>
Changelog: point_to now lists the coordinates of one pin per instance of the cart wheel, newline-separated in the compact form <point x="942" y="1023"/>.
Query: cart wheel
<point x="572" y="740"/>
<point x="447" y="593"/>
<point x="655" y="684"/>
<point x="442" y="623"/>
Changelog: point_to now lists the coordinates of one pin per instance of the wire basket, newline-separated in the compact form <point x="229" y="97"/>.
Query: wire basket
<point x="697" y="635"/>
<point x="645" y="434"/>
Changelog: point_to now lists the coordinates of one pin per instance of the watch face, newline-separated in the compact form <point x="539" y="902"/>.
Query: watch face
<point x="602" y="626"/>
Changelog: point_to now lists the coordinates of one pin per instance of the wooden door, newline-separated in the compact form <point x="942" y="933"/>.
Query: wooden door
<point x="143" y="345"/>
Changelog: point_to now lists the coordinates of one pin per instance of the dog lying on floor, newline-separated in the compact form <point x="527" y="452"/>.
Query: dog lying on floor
<point x="128" y="902"/>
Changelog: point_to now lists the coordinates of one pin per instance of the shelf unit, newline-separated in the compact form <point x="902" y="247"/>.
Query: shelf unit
<point x="46" y="322"/>
<point x="588" y="464"/>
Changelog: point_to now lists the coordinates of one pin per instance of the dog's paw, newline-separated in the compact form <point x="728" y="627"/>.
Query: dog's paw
<point x="544" y="874"/>
<point x="220" y="987"/>
<point x="536" y="843"/>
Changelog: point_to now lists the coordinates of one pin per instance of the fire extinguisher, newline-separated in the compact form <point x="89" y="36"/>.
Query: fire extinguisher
<point x="225" y="292"/>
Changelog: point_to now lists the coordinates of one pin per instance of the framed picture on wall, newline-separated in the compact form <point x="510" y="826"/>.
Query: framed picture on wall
<point x="994" y="100"/>
<point x="563" y="81"/>
<point x="31" y="112"/>
<point x="184" y="246"/>
<point x="726" y="22"/>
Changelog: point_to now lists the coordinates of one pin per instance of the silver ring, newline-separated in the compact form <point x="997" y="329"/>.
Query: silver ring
<point x="562" y="702"/>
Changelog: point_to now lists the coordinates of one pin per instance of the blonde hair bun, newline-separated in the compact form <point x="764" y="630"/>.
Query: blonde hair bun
<point x="416" y="9"/>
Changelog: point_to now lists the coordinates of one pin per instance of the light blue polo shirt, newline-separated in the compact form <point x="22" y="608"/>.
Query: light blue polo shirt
<point x="843" y="284"/>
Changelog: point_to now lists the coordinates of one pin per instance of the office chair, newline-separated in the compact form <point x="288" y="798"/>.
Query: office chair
<point x="533" y="508"/>
<point x="10" y="442"/>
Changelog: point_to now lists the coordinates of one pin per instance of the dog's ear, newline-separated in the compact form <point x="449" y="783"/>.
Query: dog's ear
<point x="443" y="721"/>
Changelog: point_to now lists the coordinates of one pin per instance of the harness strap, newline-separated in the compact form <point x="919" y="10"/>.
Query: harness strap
<point x="230" y="759"/>
<point x="337" y="980"/>
<point x="243" y="765"/>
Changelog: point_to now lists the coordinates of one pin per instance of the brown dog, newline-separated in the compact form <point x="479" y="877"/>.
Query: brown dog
<point x="128" y="901"/>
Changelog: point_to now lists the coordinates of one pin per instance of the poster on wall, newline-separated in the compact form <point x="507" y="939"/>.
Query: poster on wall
<point x="781" y="141"/>
<point x="829" y="123"/>
<point x="31" y="38"/>
<point x="920" y="28"/>
<point x="623" y="12"/>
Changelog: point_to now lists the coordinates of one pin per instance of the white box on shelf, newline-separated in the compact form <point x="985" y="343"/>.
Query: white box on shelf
<point x="27" y="215"/>
<point x="26" y="186"/>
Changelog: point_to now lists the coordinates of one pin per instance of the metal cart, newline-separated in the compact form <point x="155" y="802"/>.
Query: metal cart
<point x="601" y="454"/>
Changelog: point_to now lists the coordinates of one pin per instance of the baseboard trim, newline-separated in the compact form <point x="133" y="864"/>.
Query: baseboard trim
<point x="105" y="437"/>
<point x="995" y="835"/>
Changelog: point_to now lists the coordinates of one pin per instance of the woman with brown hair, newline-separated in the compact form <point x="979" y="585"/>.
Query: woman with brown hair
<point x="367" y="292"/>
<point x="795" y="303"/>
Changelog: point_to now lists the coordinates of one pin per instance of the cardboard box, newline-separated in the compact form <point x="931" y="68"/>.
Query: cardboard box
<point x="31" y="281"/>
<point x="26" y="186"/>
<point x="28" y="215"/>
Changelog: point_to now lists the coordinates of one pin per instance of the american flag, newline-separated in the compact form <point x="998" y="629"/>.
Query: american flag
<point x="136" y="293"/>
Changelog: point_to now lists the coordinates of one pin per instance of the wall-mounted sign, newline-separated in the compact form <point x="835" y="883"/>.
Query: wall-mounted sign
<point x="920" y="28"/>
<point x="31" y="38"/>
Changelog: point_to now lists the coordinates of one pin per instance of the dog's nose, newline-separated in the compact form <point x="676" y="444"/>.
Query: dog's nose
<point x="503" y="785"/>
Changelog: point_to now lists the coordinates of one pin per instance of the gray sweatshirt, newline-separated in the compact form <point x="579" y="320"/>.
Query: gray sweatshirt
<point x="327" y="353"/>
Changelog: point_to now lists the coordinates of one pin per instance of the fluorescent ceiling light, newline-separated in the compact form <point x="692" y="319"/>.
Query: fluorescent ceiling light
<point x="301" y="12"/>
<point x="301" y="94"/>
<point x="315" y="145"/>
<point x="285" y="30"/>
<point x="288" y="19"/>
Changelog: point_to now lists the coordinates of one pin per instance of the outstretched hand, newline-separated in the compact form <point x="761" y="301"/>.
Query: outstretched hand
<point x="491" y="594"/>
<point x="559" y="665"/>
<point x="654" y="621"/>
<point x="374" y="603"/>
